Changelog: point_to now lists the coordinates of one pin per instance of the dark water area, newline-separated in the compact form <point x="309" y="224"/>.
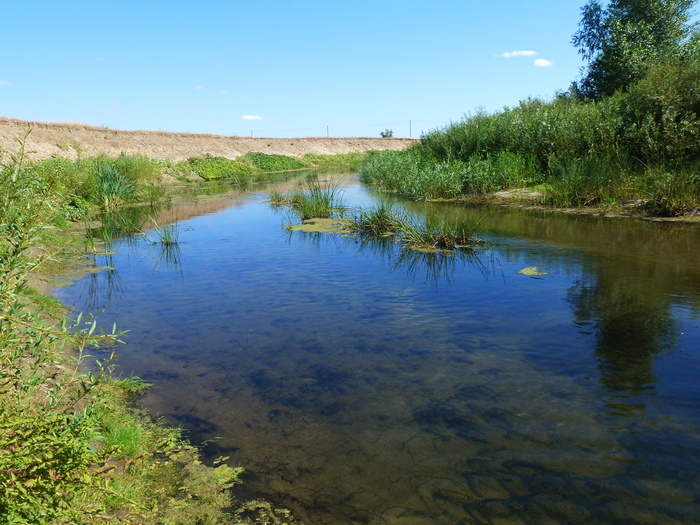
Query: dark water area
<point x="361" y="384"/>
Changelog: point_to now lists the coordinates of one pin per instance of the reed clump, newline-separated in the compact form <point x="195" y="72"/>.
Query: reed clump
<point x="432" y="232"/>
<point x="312" y="199"/>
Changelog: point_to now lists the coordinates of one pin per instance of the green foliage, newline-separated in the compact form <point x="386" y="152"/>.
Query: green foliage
<point x="267" y="162"/>
<point x="340" y="159"/>
<point x="585" y="181"/>
<point x="673" y="194"/>
<point x="76" y="208"/>
<point x="622" y="40"/>
<point x="114" y="187"/>
<point x="659" y="114"/>
<point x="210" y="167"/>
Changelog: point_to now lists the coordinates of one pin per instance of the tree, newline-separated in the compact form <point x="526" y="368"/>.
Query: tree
<point x="386" y="134"/>
<point x="621" y="41"/>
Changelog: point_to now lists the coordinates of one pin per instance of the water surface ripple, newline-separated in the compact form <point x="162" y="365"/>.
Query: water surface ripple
<point x="359" y="385"/>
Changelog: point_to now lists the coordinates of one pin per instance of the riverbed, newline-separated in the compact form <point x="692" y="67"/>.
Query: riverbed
<point x="548" y="376"/>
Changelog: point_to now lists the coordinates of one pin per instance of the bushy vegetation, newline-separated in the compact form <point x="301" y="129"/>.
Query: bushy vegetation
<point x="340" y="159"/>
<point x="639" y="144"/>
<point x="210" y="167"/>
<point x="269" y="162"/>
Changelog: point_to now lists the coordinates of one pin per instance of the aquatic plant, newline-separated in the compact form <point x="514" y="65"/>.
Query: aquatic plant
<point x="167" y="235"/>
<point x="638" y="145"/>
<point x="437" y="232"/>
<point x="434" y="232"/>
<point x="379" y="220"/>
<point x="312" y="199"/>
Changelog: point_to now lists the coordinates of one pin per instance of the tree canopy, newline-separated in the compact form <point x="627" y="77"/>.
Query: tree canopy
<point x="622" y="39"/>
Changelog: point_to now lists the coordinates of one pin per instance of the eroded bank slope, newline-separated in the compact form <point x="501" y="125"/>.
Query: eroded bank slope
<point x="73" y="140"/>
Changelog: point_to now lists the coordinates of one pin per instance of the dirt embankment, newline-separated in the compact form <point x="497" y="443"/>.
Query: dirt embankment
<point x="73" y="140"/>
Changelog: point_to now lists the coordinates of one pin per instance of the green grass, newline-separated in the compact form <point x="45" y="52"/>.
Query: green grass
<point x="380" y="220"/>
<point x="328" y="161"/>
<point x="270" y="162"/>
<point x="312" y="199"/>
<point x="433" y="232"/>
<point x="210" y="167"/>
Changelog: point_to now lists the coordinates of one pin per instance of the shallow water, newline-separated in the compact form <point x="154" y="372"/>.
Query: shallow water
<point x="360" y="384"/>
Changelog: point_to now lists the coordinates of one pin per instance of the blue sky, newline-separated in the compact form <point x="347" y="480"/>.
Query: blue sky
<point x="281" y="68"/>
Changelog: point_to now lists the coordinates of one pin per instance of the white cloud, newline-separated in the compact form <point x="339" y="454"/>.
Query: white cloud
<point x="223" y="92"/>
<point x="251" y="117"/>
<point x="524" y="53"/>
<point x="541" y="62"/>
<point x="197" y="88"/>
<point x="4" y="83"/>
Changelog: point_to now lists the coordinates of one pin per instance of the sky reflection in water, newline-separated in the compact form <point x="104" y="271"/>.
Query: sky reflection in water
<point x="359" y="383"/>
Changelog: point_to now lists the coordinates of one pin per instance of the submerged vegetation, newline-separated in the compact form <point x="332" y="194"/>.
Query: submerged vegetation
<point x="633" y="144"/>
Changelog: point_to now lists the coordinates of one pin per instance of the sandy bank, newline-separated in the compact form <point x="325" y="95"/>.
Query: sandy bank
<point x="71" y="140"/>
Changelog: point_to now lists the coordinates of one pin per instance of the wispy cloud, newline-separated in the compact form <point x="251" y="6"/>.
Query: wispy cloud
<point x="197" y="88"/>
<point x="541" y="62"/>
<point x="251" y="117"/>
<point x="523" y="53"/>
<point x="223" y="92"/>
<point x="4" y="83"/>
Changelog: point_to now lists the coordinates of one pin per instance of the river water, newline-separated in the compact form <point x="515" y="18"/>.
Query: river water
<point x="359" y="383"/>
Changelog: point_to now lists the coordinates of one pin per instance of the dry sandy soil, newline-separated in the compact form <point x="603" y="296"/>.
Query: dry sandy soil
<point x="71" y="140"/>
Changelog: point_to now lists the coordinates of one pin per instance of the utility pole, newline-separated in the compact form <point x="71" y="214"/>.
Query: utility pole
<point x="328" y="133"/>
<point x="409" y="130"/>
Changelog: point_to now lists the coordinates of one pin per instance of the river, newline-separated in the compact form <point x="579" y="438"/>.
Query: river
<point x="361" y="383"/>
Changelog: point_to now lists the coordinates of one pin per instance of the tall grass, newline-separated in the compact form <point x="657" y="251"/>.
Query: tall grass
<point x="432" y="232"/>
<point x="312" y="199"/>
<point x="114" y="187"/>
<point x="638" y="146"/>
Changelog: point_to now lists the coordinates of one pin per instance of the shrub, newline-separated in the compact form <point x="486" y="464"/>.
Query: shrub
<point x="268" y="162"/>
<point x="211" y="168"/>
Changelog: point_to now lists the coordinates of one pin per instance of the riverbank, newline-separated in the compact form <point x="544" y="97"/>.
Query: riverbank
<point x="75" y="141"/>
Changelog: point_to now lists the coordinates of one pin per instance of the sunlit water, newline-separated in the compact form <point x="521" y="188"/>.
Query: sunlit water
<point x="358" y="384"/>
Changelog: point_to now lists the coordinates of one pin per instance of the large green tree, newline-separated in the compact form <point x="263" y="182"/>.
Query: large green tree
<point x="621" y="40"/>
